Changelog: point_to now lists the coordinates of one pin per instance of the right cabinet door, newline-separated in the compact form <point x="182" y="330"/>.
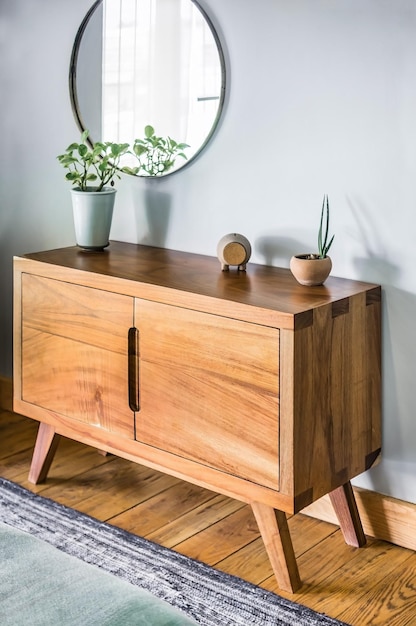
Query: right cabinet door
<point x="209" y="390"/>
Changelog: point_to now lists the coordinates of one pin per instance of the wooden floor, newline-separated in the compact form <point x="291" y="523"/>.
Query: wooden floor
<point x="373" y="585"/>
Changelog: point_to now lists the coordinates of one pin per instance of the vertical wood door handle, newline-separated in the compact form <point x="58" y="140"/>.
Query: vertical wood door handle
<point x="133" y="369"/>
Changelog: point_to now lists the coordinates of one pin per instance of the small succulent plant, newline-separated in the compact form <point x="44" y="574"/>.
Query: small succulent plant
<point x="323" y="233"/>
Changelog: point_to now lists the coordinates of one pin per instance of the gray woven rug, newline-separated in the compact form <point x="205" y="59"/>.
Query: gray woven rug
<point x="210" y="597"/>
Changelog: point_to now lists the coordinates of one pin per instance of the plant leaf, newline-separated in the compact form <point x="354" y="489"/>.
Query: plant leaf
<point x="82" y="150"/>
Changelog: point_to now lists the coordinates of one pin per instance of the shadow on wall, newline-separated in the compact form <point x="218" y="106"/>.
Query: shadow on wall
<point x="277" y="251"/>
<point x="399" y="424"/>
<point x="373" y="265"/>
<point x="398" y="350"/>
<point x="152" y="209"/>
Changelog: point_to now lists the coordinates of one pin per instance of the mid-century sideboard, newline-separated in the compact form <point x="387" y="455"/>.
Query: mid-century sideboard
<point x="246" y="383"/>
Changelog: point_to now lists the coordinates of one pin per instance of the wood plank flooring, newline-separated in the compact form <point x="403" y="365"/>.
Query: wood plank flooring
<point x="374" y="585"/>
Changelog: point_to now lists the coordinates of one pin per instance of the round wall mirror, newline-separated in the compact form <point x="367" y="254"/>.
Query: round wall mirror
<point x="143" y="65"/>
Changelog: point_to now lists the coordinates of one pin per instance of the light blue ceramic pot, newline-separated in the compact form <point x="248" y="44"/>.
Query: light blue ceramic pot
<point x="93" y="214"/>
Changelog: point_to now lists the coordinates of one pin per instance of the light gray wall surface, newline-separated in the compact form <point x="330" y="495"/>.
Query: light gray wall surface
<point x="322" y="99"/>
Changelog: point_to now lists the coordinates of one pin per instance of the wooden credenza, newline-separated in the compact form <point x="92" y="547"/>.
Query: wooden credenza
<point x="245" y="383"/>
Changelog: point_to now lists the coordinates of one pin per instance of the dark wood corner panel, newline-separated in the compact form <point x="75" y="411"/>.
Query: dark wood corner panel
<point x="245" y="383"/>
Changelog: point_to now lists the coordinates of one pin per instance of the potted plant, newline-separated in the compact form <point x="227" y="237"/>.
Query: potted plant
<point x="92" y="170"/>
<point x="314" y="268"/>
<point x="157" y="155"/>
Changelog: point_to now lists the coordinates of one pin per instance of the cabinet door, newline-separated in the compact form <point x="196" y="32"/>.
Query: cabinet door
<point x="209" y="390"/>
<point x="74" y="352"/>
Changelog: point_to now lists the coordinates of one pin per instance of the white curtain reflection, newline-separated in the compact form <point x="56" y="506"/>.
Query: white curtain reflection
<point x="159" y="65"/>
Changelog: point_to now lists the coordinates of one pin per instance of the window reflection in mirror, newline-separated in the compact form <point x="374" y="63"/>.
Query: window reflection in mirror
<point x="141" y="62"/>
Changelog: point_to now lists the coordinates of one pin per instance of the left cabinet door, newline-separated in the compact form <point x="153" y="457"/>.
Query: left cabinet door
<point x="74" y="353"/>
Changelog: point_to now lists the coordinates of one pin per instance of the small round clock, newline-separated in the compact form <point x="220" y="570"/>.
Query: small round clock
<point x="233" y="249"/>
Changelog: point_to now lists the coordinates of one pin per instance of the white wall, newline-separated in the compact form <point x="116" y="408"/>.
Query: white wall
<point x="322" y="99"/>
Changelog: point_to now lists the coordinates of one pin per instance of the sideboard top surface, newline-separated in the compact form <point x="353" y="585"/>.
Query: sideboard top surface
<point x="261" y="286"/>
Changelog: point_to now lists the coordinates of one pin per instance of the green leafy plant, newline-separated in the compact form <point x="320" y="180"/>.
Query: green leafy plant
<point x="323" y="233"/>
<point x="97" y="164"/>
<point x="157" y="155"/>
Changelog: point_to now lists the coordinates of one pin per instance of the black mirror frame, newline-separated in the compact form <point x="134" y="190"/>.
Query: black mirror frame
<point x="73" y="95"/>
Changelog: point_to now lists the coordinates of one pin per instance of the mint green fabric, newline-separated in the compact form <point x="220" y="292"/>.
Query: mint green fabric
<point x="42" y="586"/>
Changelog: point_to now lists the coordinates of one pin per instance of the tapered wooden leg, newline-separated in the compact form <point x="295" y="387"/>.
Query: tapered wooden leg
<point x="45" y="447"/>
<point x="343" y="501"/>
<point x="276" y="537"/>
